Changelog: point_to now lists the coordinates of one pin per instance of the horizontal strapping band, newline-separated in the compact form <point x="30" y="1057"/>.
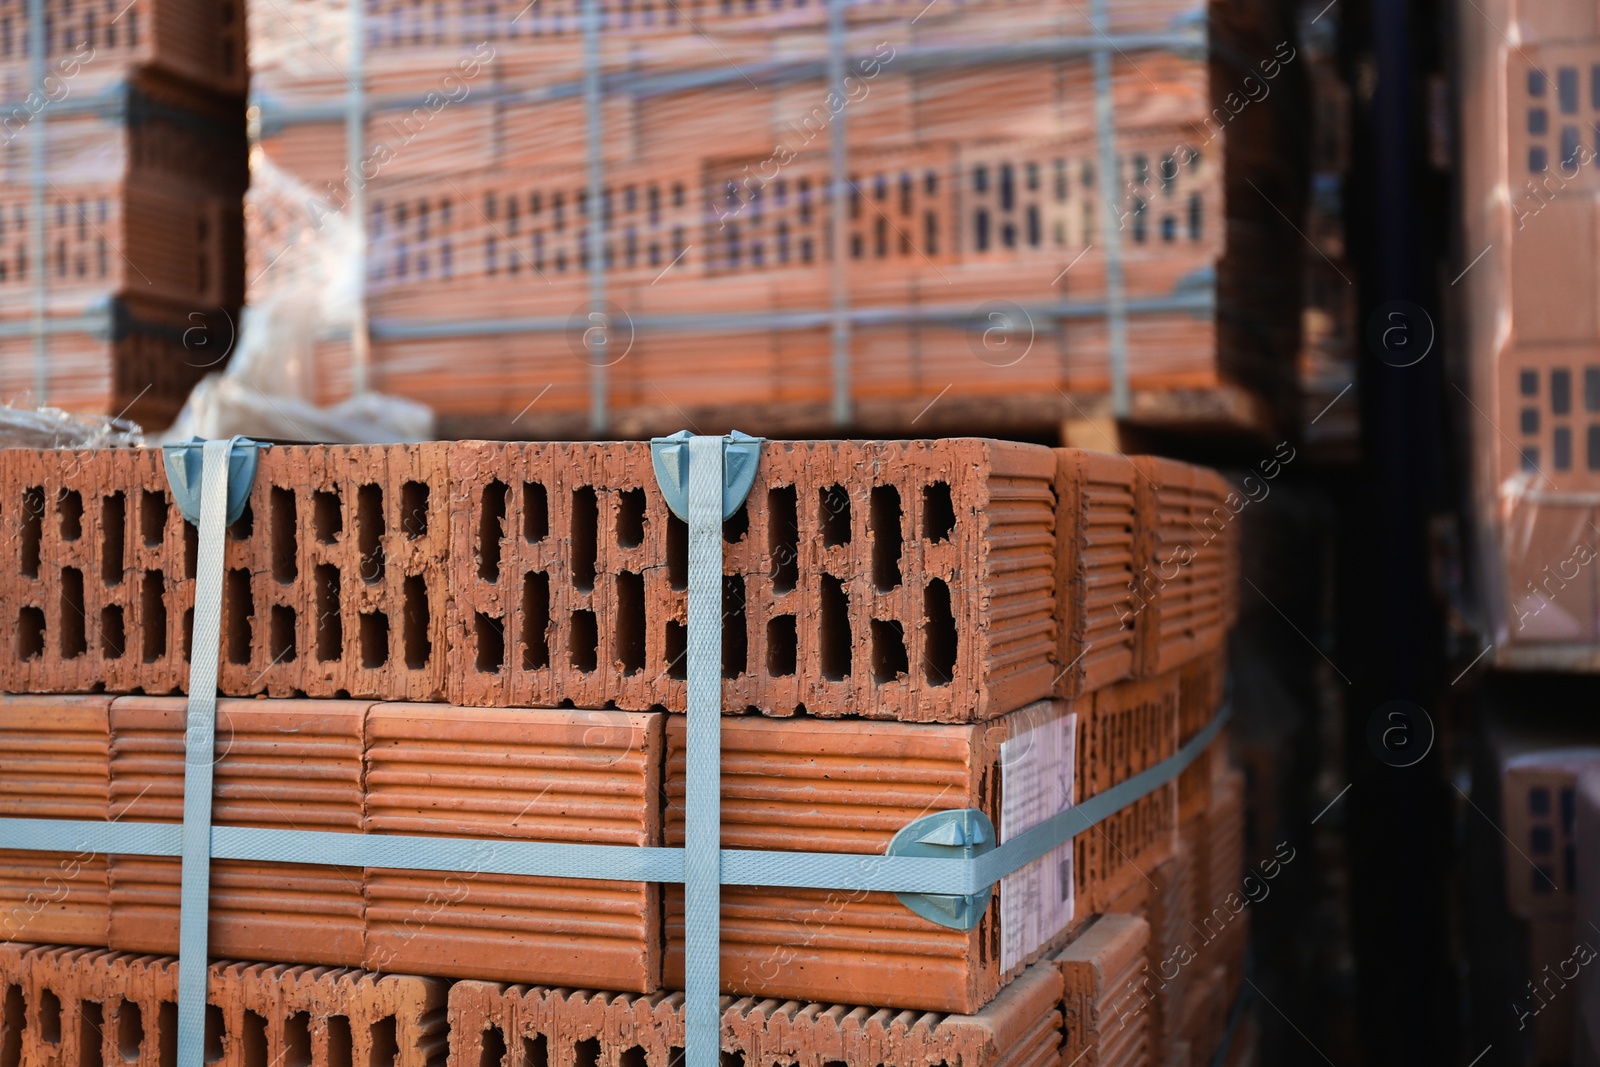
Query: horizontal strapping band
<point x="621" y="863"/>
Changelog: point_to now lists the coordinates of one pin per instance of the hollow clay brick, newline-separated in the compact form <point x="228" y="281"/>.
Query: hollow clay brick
<point x="589" y="777"/>
<point x="335" y="581"/>
<point x="1165" y="977"/>
<point x="1124" y="729"/>
<point x="88" y="1007"/>
<point x="344" y="563"/>
<point x="848" y="787"/>
<point x="516" y="1026"/>
<point x="54" y="764"/>
<point x="91" y="571"/>
<point x="892" y="580"/>
<point x="1095" y="557"/>
<point x="1105" y="1009"/>
<point x="280" y="764"/>
<point x="1184" y="538"/>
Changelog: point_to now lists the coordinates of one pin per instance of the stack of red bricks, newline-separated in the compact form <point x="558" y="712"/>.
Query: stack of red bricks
<point x="974" y="177"/>
<point x="487" y="641"/>
<point x="121" y="261"/>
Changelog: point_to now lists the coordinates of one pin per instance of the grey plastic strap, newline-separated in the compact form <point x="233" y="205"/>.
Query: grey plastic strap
<point x="702" y="875"/>
<point x="1111" y="184"/>
<point x="199" y="755"/>
<point x="791" y="870"/>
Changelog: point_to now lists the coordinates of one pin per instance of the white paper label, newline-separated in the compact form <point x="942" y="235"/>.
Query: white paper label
<point x="1037" y="770"/>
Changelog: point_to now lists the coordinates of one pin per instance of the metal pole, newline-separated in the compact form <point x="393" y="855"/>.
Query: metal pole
<point x="594" y="131"/>
<point x="37" y="47"/>
<point x="839" y="182"/>
<point x="1110" y="184"/>
<point x="355" y="135"/>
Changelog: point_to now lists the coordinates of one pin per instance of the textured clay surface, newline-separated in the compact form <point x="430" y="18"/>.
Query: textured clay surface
<point x="514" y="774"/>
<point x="280" y="764"/>
<point x="846" y="787"/>
<point x="335" y="581"/>
<point x="54" y="764"/>
<point x="1105" y="1005"/>
<point x="1187" y="539"/>
<point x="93" y="574"/>
<point x="1096" y="540"/>
<point x="88" y="1008"/>
<point x="521" y="1026"/>
<point x="893" y="580"/>
<point x="1122" y="730"/>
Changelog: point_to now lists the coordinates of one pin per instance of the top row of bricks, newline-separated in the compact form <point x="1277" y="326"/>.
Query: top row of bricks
<point x="940" y="581"/>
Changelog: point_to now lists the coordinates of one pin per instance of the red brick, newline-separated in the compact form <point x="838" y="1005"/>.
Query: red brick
<point x="591" y="777"/>
<point x="90" y="572"/>
<point x="283" y="764"/>
<point x="1123" y="730"/>
<point x="101" y="570"/>
<point x="848" y="787"/>
<point x="502" y="1026"/>
<point x="88" y="1007"/>
<point x="1183" y="527"/>
<point x="345" y="566"/>
<point x="1105" y="1011"/>
<point x="921" y="591"/>
<point x="55" y="763"/>
<point x="1095" y="557"/>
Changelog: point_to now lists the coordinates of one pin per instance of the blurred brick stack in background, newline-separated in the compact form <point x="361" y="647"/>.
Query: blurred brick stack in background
<point x="909" y="627"/>
<point x="1329" y="322"/>
<point x="122" y="167"/>
<point x="973" y="242"/>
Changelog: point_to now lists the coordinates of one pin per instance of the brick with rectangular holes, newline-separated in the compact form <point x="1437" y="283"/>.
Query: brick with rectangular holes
<point x="280" y="764"/>
<point x="84" y="1007"/>
<point x="907" y="580"/>
<point x="95" y="572"/>
<point x="334" y="583"/>
<point x="523" y="1026"/>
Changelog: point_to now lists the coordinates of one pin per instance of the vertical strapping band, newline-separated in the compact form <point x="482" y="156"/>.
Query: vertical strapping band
<point x="199" y="753"/>
<point x="702" y="870"/>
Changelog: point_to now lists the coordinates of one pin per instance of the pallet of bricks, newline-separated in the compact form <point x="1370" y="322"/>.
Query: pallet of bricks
<point x="1530" y="339"/>
<point x="979" y="202"/>
<point x="121" y="258"/>
<point x="487" y="640"/>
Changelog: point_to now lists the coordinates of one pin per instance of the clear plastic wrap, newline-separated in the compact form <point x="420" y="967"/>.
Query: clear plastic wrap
<point x="1529" y="339"/>
<point x="974" y="242"/>
<point x="45" y="427"/>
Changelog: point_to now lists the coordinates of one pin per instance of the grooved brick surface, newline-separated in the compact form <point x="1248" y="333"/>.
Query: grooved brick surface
<point x="281" y="764"/>
<point x="521" y="1026"/>
<point x="1105" y="1013"/>
<point x="1096" y="539"/>
<point x="1185" y="539"/>
<point x="562" y="775"/>
<point x="1165" y="978"/>
<point x="1202" y="683"/>
<point x="335" y="581"/>
<point x="894" y="580"/>
<point x="54" y="764"/>
<point x="1122" y="730"/>
<point x="846" y="787"/>
<point x="88" y="1007"/>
